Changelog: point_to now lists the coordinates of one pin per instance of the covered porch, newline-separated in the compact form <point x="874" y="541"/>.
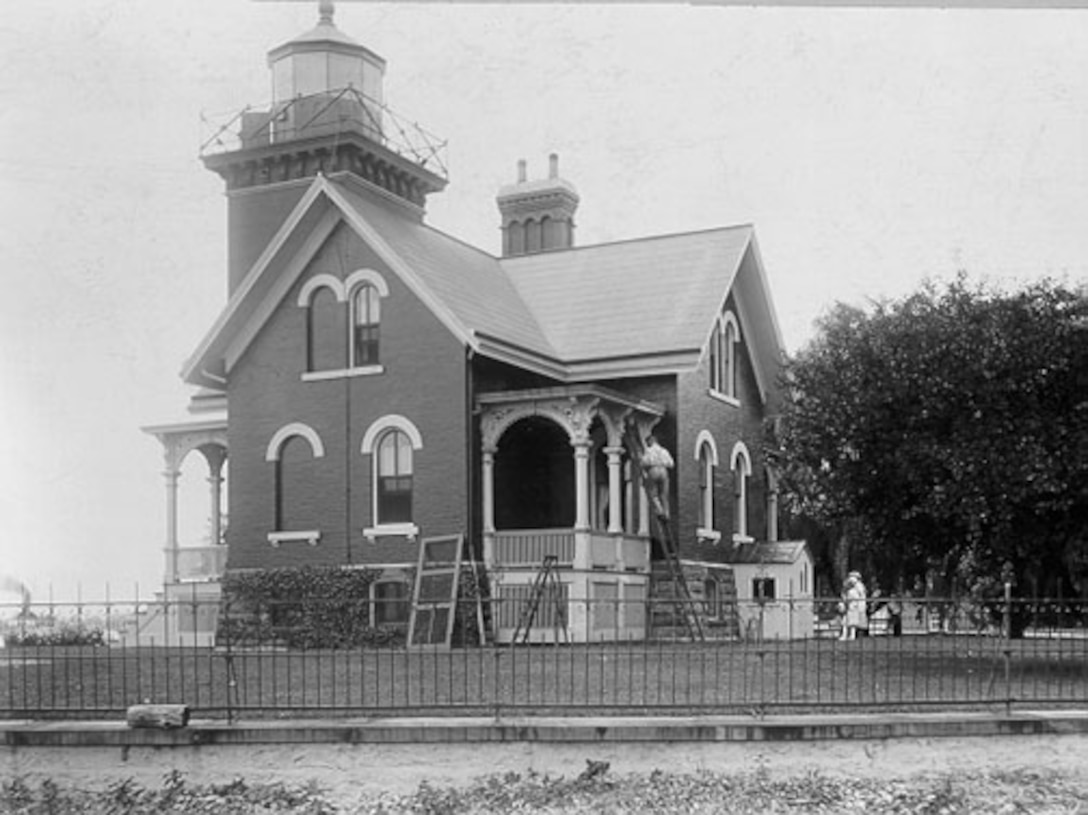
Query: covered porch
<point x="560" y="477"/>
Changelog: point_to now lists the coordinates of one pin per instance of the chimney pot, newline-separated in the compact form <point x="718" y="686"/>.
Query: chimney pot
<point x="521" y="171"/>
<point x="553" y="165"/>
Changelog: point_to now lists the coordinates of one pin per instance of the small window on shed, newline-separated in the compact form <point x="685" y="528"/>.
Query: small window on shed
<point x="763" y="588"/>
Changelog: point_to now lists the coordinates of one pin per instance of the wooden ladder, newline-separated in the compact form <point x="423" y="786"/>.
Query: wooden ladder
<point x="546" y="582"/>
<point x="683" y="602"/>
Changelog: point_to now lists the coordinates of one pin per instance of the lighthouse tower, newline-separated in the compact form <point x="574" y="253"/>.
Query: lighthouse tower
<point x="327" y="115"/>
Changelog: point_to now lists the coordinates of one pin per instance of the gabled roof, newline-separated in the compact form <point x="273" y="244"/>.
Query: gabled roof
<point x="621" y="309"/>
<point x="777" y="552"/>
<point x="648" y="296"/>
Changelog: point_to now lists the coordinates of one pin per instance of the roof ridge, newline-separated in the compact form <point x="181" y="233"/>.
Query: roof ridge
<point x="643" y="239"/>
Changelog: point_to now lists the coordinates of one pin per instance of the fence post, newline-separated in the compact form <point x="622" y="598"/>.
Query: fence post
<point x="1007" y="633"/>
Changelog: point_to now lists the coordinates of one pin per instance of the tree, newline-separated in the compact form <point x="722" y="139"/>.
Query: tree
<point x="947" y="428"/>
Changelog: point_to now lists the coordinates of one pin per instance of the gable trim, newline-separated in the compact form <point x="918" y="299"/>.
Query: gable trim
<point x="370" y="235"/>
<point x="195" y="369"/>
<point x="279" y="289"/>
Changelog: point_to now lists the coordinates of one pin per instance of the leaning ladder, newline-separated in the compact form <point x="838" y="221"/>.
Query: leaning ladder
<point x="681" y="597"/>
<point x="683" y="602"/>
<point x="546" y="582"/>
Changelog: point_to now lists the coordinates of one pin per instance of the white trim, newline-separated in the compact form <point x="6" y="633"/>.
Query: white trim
<point x="361" y="276"/>
<point x="321" y="281"/>
<point x="721" y="397"/>
<point x="249" y="281"/>
<point x="740" y="450"/>
<point x="705" y="437"/>
<point x="740" y="497"/>
<point x="728" y="362"/>
<point x="392" y="420"/>
<point x="272" y="453"/>
<point x="706" y="495"/>
<point x="408" y="530"/>
<point x="711" y="535"/>
<point x="311" y="536"/>
<point x="402" y="269"/>
<point x="342" y="373"/>
<point x="279" y="288"/>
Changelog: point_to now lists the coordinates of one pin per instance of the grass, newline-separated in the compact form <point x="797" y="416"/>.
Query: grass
<point x="891" y="673"/>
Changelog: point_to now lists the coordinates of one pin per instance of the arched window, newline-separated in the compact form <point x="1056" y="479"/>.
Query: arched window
<point x="729" y="356"/>
<point x="723" y="356"/>
<point x="324" y="329"/>
<point x="294" y="451"/>
<point x="715" y="355"/>
<point x="706" y="456"/>
<point x="392" y="443"/>
<point x="365" y="325"/>
<point x="322" y="296"/>
<point x="394" y="476"/>
<point x="741" y="465"/>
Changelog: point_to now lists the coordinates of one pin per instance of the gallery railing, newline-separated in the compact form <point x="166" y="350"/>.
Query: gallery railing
<point x="93" y="660"/>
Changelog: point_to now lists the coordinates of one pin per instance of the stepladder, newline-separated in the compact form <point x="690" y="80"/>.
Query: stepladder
<point x="545" y="600"/>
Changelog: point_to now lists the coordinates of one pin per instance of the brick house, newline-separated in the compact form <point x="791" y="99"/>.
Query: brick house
<point x="377" y="380"/>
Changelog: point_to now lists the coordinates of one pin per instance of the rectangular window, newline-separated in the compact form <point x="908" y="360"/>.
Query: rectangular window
<point x="394" y="499"/>
<point x="763" y="588"/>
<point x="366" y="345"/>
<point x="391" y="603"/>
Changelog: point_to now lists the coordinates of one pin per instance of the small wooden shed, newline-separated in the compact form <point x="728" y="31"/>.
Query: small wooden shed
<point x="775" y="589"/>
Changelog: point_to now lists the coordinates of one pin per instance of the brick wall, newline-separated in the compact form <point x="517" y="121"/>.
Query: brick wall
<point x="253" y="216"/>
<point x="727" y="423"/>
<point x="423" y="380"/>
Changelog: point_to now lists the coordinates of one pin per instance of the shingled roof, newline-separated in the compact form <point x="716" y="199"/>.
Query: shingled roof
<point x="620" y="309"/>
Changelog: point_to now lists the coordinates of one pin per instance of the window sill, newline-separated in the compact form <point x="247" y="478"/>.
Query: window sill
<point x="343" y="373"/>
<point x="708" y="535"/>
<point x="408" y="530"/>
<point x="724" y="397"/>
<point x="739" y="538"/>
<point x="311" y="536"/>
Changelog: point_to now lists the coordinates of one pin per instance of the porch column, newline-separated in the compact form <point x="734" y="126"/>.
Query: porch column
<point x="172" y="476"/>
<point x="215" y="458"/>
<point x="643" y="508"/>
<point x="488" y="461"/>
<point x="581" y="484"/>
<point x="615" y="489"/>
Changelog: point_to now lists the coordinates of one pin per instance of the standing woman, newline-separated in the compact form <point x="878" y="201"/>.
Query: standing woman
<point x="854" y="597"/>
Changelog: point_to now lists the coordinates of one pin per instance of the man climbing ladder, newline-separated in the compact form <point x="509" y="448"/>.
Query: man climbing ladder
<point x="656" y="463"/>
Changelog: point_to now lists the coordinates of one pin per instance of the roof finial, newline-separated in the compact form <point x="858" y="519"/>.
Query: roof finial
<point x="325" y="10"/>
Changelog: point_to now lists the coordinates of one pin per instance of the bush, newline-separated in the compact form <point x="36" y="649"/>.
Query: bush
<point x="311" y="607"/>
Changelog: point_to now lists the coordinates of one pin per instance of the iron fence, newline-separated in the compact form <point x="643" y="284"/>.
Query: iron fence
<point x="94" y="660"/>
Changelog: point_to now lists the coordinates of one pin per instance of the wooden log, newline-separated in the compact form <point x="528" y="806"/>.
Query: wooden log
<point x="163" y="717"/>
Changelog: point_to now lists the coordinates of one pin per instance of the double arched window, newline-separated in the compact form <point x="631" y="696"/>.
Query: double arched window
<point x="343" y="341"/>
<point x="723" y="356"/>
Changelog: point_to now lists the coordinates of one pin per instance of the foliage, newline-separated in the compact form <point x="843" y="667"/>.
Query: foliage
<point x="947" y="428"/>
<point x="595" y="790"/>
<point x="311" y="607"/>
<point x="55" y="633"/>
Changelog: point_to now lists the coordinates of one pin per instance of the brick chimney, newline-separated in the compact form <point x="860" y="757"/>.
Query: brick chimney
<point x="537" y="216"/>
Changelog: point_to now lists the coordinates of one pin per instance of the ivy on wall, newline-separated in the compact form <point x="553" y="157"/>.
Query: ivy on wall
<point x="309" y="607"/>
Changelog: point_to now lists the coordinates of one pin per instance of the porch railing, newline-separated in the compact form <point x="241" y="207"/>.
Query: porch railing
<point x="527" y="547"/>
<point x="201" y="562"/>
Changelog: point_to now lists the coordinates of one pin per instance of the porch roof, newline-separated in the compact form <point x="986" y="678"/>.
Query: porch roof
<point x="572" y="392"/>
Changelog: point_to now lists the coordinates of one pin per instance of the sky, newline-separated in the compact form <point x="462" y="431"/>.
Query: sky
<point x="870" y="147"/>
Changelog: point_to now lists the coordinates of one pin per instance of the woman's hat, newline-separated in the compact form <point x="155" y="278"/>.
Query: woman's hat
<point x="855" y="575"/>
